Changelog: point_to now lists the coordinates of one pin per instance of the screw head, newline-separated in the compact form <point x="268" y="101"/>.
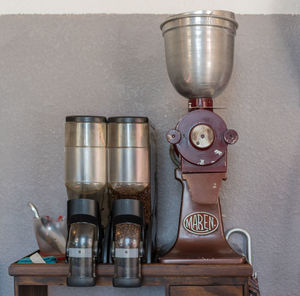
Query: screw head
<point x="173" y="136"/>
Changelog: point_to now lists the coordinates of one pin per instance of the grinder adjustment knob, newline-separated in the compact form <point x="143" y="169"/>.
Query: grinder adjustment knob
<point x="173" y="136"/>
<point x="202" y="136"/>
<point x="231" y="136"/>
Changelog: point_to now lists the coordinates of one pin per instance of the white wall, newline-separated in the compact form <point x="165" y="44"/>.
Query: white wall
<point x="144" y="6"/>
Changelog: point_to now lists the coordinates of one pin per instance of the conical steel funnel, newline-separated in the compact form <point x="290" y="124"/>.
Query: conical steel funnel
<point x="199" y="49"/>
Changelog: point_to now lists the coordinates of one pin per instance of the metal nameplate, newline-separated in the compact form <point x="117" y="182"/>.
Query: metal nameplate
<point x="201" y="223"/>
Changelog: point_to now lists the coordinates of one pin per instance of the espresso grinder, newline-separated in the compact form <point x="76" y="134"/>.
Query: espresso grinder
<point x="85" y="180"/>
<point x="199" y="49"/>
<point x="129" y="188"/>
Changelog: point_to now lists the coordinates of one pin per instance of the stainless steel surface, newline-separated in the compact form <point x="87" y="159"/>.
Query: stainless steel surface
<point x="127" y="135"/>
<point x="248" y="237"/>
<point x="202" y="136"/>
<point x="34" y="209"/>
<point x="128" y="156"/>
<point x="85" y="134"/>
<point x="50" y="235"/>
<point x="85" y="169"/>
<point x="249" y="244"/>
<point x="199" y="49"/>
<point x="85" y="158"/>
<point x="216" y="15"/>
<point x="129" y="165"/>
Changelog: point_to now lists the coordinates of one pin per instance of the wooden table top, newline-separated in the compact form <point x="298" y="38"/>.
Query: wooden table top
<point x="148" y="270"/>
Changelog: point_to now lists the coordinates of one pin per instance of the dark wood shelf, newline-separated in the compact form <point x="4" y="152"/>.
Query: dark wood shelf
<point x="200" y="279"/>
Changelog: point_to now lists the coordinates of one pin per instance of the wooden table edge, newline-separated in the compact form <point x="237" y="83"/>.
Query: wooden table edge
<point x="148" y="270"/>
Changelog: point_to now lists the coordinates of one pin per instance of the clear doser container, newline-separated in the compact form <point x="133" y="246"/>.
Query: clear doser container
<point x="83" y="242"/>
<point x="128" y="145"/>
<point x="82" y="252"/>
<point x="127" y="242"/>
<point x="127" y="260"/>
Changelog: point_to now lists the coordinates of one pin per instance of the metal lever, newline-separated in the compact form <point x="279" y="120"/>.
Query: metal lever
<point x="249" y="245"/>
<point x="248" y="237"/>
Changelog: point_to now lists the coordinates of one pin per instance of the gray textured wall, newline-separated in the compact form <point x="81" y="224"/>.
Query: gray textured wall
<point x="52" y="66"/>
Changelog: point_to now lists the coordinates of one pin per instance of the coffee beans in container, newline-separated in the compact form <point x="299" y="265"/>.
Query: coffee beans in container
<point x="128" y="146"/>
<point x="127" y="224"/>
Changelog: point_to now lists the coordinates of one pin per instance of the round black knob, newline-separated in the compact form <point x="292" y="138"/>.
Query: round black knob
<point x="231" y="136"/>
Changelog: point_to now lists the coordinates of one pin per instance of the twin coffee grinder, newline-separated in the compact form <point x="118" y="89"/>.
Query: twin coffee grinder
<point x="108" y="181"/>
<point x="110" y="168"/>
